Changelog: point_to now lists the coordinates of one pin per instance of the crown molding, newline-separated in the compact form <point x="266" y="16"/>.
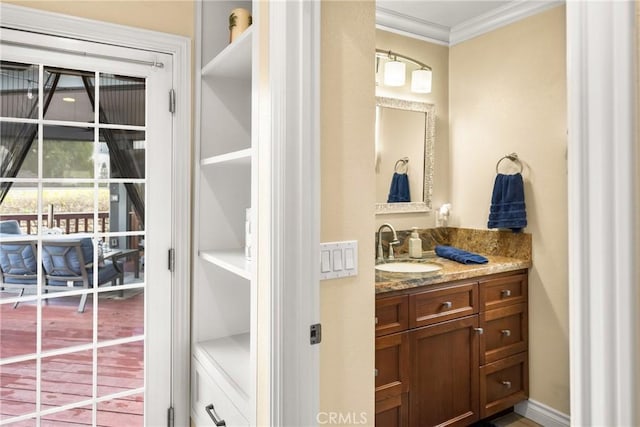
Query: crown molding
<point x="405" y="25"/>
<point x="511" y="12"/>
<point x="499" y="17"/>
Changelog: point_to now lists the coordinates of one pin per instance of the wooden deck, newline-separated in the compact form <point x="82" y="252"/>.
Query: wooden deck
<point x="68" y="379"/>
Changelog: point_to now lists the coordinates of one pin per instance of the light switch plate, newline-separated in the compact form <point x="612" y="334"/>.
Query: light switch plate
<point x="338" y="259"/>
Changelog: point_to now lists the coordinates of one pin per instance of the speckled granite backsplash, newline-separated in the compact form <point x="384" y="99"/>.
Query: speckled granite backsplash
<point x="485" y="242"/>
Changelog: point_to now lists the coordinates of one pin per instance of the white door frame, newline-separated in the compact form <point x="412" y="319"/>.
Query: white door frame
<point x="603" y="201"/>
<point x="28" y="19"/>
<point x="294" y="77"/>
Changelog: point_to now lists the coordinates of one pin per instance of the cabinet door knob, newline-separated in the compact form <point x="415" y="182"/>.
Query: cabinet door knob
<point x="505" y="293"/>
<point x="480" y="331"/>
<point x="214" y="417"/>
<point x="507" y="384"/>
<point x="506" y="332"/>
<point x="447" y="305"/>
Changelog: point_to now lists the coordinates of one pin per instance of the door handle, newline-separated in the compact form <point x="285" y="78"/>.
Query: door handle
<point x="215" y="417"/>
<point x="480" y="331"/>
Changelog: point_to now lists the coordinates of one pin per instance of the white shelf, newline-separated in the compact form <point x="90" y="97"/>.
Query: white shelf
<point x="234" y="61"/>
<point x="227" y="359"/>
<point x="240" y="157"/>
<point x="232" y="260"/>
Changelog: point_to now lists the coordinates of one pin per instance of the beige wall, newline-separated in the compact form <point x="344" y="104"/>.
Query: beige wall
<point x="175" y="17"/>
<point x="437" y="57"/>
<point x="348" y="191"/>
<point x="508" y="94"/>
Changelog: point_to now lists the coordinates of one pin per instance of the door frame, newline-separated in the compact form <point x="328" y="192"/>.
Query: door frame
<point x="604" y="225"/>
<point x="28" y="19"/>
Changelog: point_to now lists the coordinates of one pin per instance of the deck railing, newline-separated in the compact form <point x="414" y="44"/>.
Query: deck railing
<point x="70" y="222"/>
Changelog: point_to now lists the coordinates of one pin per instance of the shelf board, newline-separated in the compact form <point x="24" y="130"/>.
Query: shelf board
<point x="230" y="358"/>
<point x="234" y="61"/>
<point x="240" y="157"/>
<point x="232" y="260"/>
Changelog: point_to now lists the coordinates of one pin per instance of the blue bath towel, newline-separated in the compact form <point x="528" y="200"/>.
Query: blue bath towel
<point x="507" y="203"/>
<point x="459" y="255"/>
<point x="399" y="191"/>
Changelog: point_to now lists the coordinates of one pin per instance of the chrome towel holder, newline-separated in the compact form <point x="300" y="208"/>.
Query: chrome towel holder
<point x="513" y="157"/>
<point x="401" y="165"/>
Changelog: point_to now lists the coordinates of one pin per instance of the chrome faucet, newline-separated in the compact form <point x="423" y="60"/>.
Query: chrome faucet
<point x="395" y="241"/>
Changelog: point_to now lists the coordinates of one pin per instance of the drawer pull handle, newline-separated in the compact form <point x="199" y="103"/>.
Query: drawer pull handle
<point x="507" y="384"/>
<point x="215" y="417"/>
<point x="506" y="332"/>
<point x="447" y="305"/>
<point x="480" y="331"/>
<point x="505" y="293"/>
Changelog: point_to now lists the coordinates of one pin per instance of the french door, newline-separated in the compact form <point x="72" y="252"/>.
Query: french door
<point x="86" y="216"/>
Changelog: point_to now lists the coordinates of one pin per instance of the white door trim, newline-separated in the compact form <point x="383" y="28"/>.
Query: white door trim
<point x="28" y="19"/>
<point x="603" y="198"/>
<point x="294" y="52"/>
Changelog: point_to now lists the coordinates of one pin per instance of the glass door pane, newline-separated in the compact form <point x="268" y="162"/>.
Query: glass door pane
<point x="72" y="217"/>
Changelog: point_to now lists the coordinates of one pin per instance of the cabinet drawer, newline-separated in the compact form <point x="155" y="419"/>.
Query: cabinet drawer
<point x="393" y="411"/>
<point x="503" y="384"/>
<point x="503" y="291"/>
<point x="392" y="315"/>
<point x="505" y="332"/>
<point x="392" y="365"/>
<point x="205" y="393"/>
<point x="438" y="305"/>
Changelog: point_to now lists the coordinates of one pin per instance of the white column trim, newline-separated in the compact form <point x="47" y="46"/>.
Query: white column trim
<point x="294" y="62"/>
<point x="28" y="19"/>
<point x="603" y="255"/>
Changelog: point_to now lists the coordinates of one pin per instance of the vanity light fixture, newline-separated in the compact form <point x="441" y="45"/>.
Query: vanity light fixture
<point x="395" y="71"/>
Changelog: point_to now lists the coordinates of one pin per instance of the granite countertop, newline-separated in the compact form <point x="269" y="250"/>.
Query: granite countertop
<point x="451" y="270"/>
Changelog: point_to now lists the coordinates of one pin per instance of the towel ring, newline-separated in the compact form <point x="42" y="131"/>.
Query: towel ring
<point x="403" y="164"/>
<point x="513" y="157"/>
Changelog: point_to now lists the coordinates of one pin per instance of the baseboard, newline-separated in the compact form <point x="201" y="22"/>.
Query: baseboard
<point x="542" y="414"/>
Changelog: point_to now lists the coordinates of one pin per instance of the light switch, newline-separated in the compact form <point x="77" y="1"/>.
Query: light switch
<point x="325" y="261"/>
<point x="337" y="259"/>
<point x="348" y="259"/>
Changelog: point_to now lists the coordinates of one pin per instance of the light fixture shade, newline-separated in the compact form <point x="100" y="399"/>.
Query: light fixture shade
<point x="394" y="73"/>
<point x="421" y="81"/>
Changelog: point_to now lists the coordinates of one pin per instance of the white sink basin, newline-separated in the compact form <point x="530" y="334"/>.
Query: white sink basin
<point x="409" y="267"/>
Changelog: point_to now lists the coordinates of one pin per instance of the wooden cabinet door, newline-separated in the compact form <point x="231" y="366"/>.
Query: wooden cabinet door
<point x="441" y="304"/>
<point x="392" y="365"/>
<point x="503" y="291"/>
<point x="505" y="333"/>
<point x="445" y="374"/>
<point x="392" y="315"/>
<point x="393" y="411"/>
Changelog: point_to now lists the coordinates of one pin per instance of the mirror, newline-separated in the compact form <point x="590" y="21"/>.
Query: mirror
<point x="404" y="130"/>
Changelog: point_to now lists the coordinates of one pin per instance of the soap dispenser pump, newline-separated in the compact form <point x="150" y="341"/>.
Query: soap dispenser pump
<point x="415" y="244"/>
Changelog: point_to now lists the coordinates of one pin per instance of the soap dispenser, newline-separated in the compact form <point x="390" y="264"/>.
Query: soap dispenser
<point x="415" y="244"/>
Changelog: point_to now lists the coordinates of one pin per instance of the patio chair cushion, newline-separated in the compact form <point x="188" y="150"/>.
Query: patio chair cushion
<point x="105" y="274"/>
<point x="10" y="226"/>
<point x="18" y="259"/>
<point x="64" y="261"/>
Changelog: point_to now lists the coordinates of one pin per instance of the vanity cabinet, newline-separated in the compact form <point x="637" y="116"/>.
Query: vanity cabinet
<point x="461" y="356"/>
<point x="224" y="285"/>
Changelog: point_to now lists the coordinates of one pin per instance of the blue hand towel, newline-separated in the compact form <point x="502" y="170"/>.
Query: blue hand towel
<point x="399" y="191"/>
<point x="507" y="203"/>
<point x="459" y="255"/>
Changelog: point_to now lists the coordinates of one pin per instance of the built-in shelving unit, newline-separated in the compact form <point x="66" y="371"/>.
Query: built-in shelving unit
<point x="224" y="281"/>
